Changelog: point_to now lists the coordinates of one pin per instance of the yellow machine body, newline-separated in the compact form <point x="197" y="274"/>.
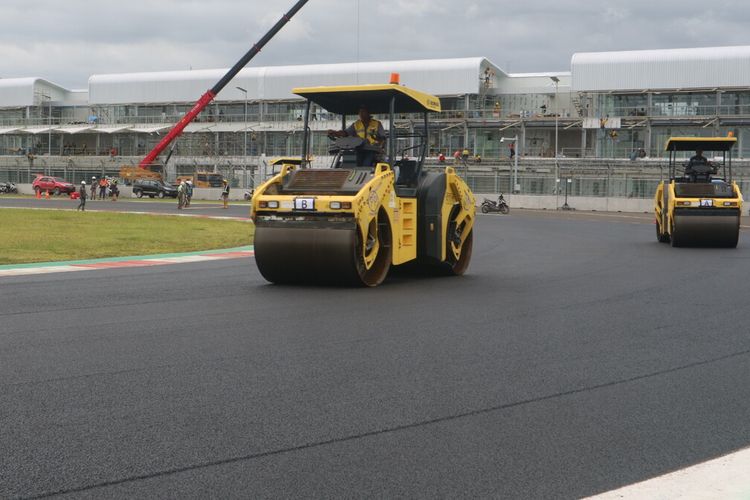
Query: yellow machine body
<point x="350" y="224"/>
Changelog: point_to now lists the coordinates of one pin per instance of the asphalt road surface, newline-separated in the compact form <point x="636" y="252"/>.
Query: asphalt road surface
<point x="576" y="356"/>
<point x="236" y="209"/>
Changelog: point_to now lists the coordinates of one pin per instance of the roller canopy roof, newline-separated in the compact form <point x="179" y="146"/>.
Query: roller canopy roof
<point x="347" y="99"/>
<point x="700" y="143"/>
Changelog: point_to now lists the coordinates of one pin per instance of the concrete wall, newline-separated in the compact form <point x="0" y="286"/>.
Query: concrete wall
<point x="516" y="201"/>
<point x="211" y="194"/>
<point x="577" y="202"/>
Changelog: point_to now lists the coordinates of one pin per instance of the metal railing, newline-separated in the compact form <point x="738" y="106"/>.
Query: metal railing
<point x="589" y="177"/>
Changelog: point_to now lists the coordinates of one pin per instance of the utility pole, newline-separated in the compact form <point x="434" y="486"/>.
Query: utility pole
<point x="244" y="149"/>
<point x="515" y="188"/>
<point x="556" y="81"/>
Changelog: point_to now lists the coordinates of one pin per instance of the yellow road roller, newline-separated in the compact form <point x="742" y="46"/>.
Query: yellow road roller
<point x="374" y="207"/>
<point x="701" y="205"/>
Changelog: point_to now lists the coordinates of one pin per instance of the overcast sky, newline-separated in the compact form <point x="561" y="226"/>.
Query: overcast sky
<point x="66" y="41"/>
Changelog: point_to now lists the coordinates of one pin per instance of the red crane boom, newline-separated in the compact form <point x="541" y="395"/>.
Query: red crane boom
<point x="209" y="96"/>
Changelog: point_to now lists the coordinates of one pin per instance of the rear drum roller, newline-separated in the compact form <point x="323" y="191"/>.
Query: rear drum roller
<point x="457" y="254"/>
<point x="458" y="266"/>
<point x="374" y="254"/>
<point x="660" y="236"/>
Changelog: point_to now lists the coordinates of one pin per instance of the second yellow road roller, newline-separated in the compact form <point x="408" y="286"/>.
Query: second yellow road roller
<point x="374" y="207"/>
<point x="701" y="205"/>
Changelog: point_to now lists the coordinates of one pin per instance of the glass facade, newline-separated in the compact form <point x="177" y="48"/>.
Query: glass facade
<point x="476" y="122"/>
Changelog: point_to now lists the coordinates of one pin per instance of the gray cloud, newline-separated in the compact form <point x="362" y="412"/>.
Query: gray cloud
<point x="68" y="41"/>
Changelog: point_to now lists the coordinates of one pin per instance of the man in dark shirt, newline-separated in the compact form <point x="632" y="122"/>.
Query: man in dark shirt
<point x="698" y="168"/>
<point x="82" y="192"/>
<point x="698" y="159"/>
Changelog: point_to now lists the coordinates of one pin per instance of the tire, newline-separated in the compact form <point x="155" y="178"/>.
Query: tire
<point x="138" y="193"/>
<point x="485" y="209"/>
<point x="505" y="209"/>
<point x="38" y="190"/>
<point x="161" y="194"/>
<point x="57" y="191"/>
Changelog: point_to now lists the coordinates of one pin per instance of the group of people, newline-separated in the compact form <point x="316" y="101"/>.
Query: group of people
<point x="102" y="185"/>
<point x="185" y="194"/>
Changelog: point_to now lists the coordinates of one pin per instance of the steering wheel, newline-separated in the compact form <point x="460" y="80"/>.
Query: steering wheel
<point x="344" y="143"/>
<point x="701" y="168"/>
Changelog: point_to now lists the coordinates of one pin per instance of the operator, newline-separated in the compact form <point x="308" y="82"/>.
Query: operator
<point x="369" y="129"/>
<point x="698" y="166"/>
<point x="698" y="159"/>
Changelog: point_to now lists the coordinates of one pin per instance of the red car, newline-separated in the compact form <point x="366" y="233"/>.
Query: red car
<point x="55" y="185"/>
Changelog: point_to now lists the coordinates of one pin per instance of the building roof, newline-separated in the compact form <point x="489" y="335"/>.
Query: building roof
<point x="435" y="76"/>
<point x="698" y="68"/>
<point x="30" y="91"/>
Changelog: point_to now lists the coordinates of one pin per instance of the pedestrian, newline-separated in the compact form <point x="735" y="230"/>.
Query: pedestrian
<point x="456" y="156"/>
<point x="441" y="157"/>
<point x="225" y="194"/>
<point x="188" y="192"/>
<point x="465" y="155"/>
<point x="82" y="193"/>
<point x="102" y="188"/>
<point x="93" y="188"/>
<point x="512" y="148"/>
<point x="181" y="195"/>
<point x="114" y="191"/>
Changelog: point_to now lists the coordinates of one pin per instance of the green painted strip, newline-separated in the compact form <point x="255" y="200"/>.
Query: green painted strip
<point x="122" y="259"/>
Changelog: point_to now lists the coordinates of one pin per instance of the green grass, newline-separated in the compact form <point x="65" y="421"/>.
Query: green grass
<point x="60" y="235"/>
<point x="134" y="200"/>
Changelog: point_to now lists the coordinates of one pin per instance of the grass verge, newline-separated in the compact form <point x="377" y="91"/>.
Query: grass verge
<point x="57" y="235"/>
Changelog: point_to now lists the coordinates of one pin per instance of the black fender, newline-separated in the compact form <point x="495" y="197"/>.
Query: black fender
<point x="430" y="199"/>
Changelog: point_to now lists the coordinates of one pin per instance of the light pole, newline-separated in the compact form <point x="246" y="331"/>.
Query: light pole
<point x="556" y="81"/>
<point x="49" y="120"/>
<point x="244" y="149"/>
<point x="568" y="183"/>
<point x="514" y="139"/>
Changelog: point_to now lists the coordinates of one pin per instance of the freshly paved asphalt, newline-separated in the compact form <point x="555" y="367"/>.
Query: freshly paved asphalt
<point x="236" y="209"/>
<point x="576" y="356"/>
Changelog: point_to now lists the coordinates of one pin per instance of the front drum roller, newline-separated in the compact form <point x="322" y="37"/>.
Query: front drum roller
<point x="324" y="256"/>
<point x="706" y="231"/>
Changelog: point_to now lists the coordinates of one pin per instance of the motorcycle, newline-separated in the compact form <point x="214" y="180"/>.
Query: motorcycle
<point x="495" y="206"/>
<point x="8" y="187"/>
